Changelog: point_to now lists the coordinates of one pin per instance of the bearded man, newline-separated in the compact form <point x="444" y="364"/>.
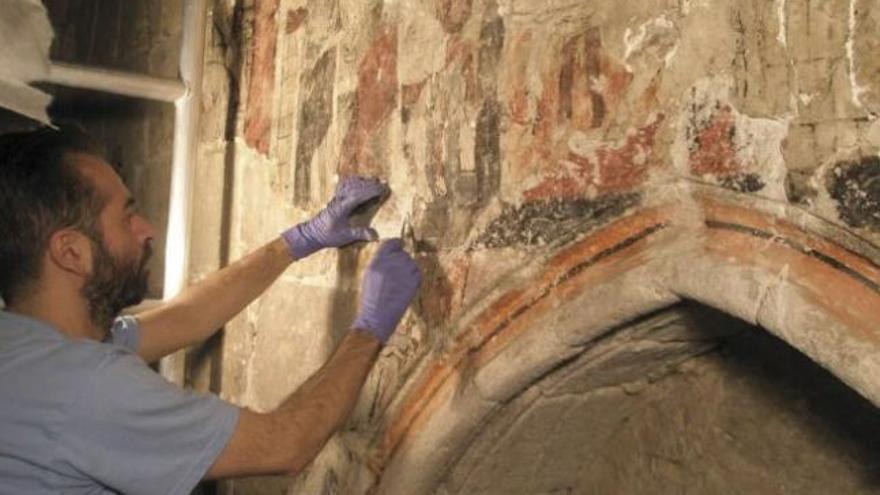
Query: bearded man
<point x="80" y="410"/>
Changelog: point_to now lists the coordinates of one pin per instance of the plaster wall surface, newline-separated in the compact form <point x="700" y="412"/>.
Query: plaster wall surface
<point x="508" y="130"/>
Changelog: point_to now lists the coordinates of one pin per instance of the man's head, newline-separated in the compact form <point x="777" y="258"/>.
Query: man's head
<point x="67" y="219"/>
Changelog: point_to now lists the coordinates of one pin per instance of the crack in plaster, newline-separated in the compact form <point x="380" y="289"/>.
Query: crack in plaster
<point x="770" y="286"/>
<point x="782" y="35"/>
<point x="250" y="360"/>
<point x="857" y="89"/>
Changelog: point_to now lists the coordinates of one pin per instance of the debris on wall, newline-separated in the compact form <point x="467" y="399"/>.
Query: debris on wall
<point x="856" y="188"/>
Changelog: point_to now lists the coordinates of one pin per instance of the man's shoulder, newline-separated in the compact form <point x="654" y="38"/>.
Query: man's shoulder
<point x="35" y="356"/>
<point x="42" y="379"/>
<point x="48" y="386"/>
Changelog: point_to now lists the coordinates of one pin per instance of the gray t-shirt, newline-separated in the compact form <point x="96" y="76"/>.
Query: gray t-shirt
<point x="83" y="417"/>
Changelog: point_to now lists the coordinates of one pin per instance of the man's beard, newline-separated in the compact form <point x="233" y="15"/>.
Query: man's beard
<point x="115" y="283"/>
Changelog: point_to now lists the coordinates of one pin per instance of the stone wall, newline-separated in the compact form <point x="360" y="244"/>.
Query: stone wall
<point x="509" y="130"/>
<point x="687" y="400"/>
<point x="471" y="106"/>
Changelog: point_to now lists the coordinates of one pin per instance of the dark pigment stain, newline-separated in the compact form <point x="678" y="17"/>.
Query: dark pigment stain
<point x="856" y="187"/>
<point x="314" y="121"/>
<point x="742" y="182"/>
<point x="487" y="152"/>
<point x="491" y="44"/>
<point x="566" y="82"/>
<point x="548" y="221"/>
<point x="410" y="94"/>
<point x="798" y="187"/>
<point x="295" y="19"/>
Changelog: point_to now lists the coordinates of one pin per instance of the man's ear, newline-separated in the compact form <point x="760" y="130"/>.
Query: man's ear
<point x="71" y="251"/>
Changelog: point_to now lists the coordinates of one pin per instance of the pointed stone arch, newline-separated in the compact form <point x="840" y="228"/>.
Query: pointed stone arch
<point x="814" y="285"/>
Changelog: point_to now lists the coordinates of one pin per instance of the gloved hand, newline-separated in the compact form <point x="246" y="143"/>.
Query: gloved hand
<point x="330" y="228"/>
<point x="389" y="285"/>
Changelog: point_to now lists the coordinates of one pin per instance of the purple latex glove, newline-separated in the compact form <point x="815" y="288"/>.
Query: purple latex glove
<point x="331" y="228"/>
<point x="389" y="285"/>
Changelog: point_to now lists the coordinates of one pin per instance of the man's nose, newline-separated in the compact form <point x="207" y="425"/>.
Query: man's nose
<point x="144" y="229"/>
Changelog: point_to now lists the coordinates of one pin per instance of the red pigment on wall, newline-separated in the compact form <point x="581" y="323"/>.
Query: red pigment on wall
<point x="613" y="170"/>
<point x="518" y="101"/>
<point x="258" y="110"/>
<point x="376" y="99"/>
<point x="713" y="150"/>
<point x="578" y="93"/>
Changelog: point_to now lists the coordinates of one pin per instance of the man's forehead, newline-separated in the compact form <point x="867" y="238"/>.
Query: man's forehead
<point x="100" y="172"/>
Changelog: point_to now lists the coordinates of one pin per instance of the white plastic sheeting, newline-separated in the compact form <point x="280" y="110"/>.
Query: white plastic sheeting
<point x="25" y="37"/>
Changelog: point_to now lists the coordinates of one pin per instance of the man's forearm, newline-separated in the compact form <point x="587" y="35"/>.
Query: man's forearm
<point x="287" y="439"/>
<point x="201" y="309"/>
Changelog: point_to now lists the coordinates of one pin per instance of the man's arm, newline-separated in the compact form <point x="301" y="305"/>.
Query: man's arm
<point x="200" y="310"/>
<point x="287" y="439"/>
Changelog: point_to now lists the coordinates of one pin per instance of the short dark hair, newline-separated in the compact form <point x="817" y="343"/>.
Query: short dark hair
<point x="41" y="192"/>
